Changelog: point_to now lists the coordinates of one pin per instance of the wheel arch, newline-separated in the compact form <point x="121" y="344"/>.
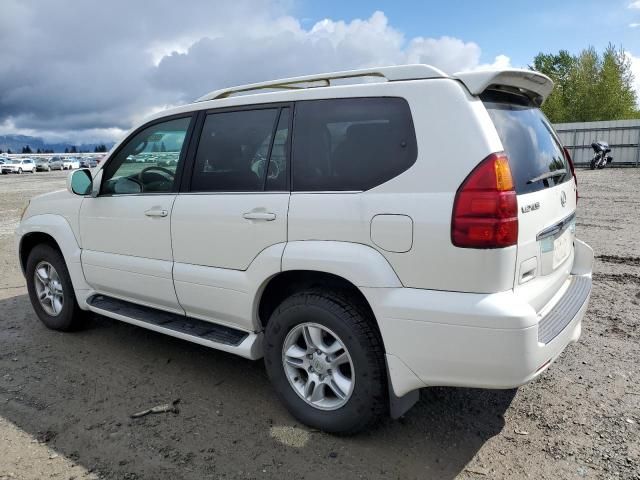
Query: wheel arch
<point x="284" y="284"/>
<point x="29" y="241"/>
<point x="56" y="231"/>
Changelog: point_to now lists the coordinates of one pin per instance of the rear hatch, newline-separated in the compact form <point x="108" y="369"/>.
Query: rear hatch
<point x="546" y="195"/>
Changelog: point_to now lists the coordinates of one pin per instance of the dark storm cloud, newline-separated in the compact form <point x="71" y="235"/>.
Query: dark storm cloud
<point x="92" y="68"/>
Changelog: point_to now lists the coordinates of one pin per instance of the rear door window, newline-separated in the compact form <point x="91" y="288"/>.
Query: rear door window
<point x="235" y="148"/>
<point x="535" y="156"/>
<point x="351" y="144"/>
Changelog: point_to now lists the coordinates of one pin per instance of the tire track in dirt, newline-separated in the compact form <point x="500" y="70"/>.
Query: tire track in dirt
<point x="622" y="278"/>
<point x="620" y="260"/>
<point x="595" y="225"/>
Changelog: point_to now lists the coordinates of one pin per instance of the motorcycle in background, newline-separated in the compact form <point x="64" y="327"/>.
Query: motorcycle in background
<point x="600" y="158"/>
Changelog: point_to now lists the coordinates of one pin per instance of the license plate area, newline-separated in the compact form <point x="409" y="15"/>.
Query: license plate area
<point x="562" y="248"/>
<point x="556" y="247"/>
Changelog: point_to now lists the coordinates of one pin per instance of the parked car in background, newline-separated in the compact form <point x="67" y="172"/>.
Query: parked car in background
<point x="360" y="265"/>
<point x="88" y="163"/>
<point x="19" y="165"/>
<point x="71" y="163"/>
<point x="42" y="165"/>
<point x="55" y="163"/>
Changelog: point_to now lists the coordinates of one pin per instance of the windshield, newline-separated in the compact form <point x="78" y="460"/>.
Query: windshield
<point x="531" y="145"/>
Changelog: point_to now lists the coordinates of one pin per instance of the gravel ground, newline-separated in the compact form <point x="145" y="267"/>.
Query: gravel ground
<point x="76" y="392"/>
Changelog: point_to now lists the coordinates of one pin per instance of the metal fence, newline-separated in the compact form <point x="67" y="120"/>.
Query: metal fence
<point x="623" y="136"/>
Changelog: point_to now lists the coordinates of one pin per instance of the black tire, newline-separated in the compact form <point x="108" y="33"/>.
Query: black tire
<point x="19" y="171"/>
<point x="351" y="321"/>
<point x="592" y="165"/>
<point x="70" y="316"/>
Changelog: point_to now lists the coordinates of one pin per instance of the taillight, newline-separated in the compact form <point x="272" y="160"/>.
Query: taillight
<point x="485" y="210"/>
<point x="567" y="155"/>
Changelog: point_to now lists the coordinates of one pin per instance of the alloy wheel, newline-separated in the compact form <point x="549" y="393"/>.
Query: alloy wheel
<point x="48" y="288"/>
<point x="318" y="366"/>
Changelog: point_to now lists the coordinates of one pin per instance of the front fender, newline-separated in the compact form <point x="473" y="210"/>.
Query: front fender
<point x="58" y="228"/>
<point x="360" y="264"/>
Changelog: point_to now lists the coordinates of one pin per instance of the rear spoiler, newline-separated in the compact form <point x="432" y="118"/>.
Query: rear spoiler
<point x="534" y="84"/>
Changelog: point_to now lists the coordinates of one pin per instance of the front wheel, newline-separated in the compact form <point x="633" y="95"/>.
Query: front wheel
<point x="325" y="359"/>
<point x="50" y="289"/>
<point x="19" y="170"/>
<point x="592" y="165"/>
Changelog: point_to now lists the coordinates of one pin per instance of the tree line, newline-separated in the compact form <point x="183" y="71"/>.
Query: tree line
<point x="102" y="148"/>
<point x="589" y="86"/>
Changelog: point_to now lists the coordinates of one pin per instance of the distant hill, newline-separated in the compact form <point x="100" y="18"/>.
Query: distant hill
<point x="15" y="143"/>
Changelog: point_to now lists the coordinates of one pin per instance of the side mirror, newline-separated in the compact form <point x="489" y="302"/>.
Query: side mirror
<point x="79" y="182"/>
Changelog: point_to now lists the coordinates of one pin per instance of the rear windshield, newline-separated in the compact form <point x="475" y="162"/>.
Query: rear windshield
<point x="535" y="156"/>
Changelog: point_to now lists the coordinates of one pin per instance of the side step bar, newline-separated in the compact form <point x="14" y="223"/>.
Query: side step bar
<point x="221" y="337"/>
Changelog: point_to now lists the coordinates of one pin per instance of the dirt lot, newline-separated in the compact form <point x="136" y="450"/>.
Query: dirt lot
<point x="74" y="393"/>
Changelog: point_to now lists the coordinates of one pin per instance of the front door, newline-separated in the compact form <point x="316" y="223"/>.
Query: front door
<point x="126" y="230"/>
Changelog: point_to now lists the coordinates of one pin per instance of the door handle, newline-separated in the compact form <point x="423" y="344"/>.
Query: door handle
<point x="156" y="212"/>
<point x="265" y="216"/>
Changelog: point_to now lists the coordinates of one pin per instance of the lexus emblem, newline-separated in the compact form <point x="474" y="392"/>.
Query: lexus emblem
<point x="563" y="199"/>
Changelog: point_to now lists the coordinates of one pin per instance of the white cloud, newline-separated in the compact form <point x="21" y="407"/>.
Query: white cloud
<point x="635" y="69"/>
<point x="288" y="49"/>
<point x="634" y="25"/>
<point x="67" y="76"/>
<point x="634" y="5"/>
<point x="501" y="61"/>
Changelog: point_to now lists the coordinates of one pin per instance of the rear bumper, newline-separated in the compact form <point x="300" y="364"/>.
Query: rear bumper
<point x="435" y="338"/>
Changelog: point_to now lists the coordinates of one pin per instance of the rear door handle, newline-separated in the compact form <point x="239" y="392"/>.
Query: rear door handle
<point x="265" y="216"/>
<point x="156" y="212"/>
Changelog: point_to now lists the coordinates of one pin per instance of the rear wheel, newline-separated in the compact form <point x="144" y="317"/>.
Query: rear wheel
<point x="19" y="170"/>
<point x="326" y="361"/>
<point x="50" y="289"/>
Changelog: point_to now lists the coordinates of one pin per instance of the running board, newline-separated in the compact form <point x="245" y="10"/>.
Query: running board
<point x="221" y="337"/>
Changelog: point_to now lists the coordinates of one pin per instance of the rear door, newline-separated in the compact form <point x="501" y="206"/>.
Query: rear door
<point x="546" y="193"/>
<point x="233" y="208"/>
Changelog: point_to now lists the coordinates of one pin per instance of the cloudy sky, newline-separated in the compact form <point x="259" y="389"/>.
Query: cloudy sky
<point x="87" y="70"/>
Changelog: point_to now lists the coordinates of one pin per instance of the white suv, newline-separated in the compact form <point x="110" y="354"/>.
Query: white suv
<point x="366" y="239"/>
<point x="70" y="163"/>
<point x="19" y="165"/>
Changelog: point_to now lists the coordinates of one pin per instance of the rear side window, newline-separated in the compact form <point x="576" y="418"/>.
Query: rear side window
<point x="352" y="143"/>
<point x="235" y="148"/>
<point x="535" y="156"/>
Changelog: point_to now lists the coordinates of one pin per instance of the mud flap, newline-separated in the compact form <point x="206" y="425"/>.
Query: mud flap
<point x="398" y="406"/>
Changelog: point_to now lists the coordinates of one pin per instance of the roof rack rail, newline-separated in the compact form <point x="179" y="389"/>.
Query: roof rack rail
<point x="394" y="73"/>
